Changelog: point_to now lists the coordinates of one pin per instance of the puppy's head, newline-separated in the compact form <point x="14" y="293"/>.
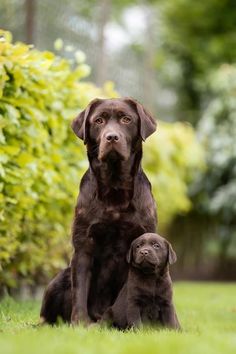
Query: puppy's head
<point x="151" y="253"/>
<point x="112" y="127"/>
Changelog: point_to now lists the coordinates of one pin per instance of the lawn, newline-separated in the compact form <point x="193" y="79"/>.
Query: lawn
<point x="207" y="312"/>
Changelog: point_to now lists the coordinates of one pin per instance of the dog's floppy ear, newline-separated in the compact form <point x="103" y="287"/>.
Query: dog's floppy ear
<point x="147" y="122"/>
<point x="79" y="123"/>
<point x="129" y="256"/>
<point x="172" y="258"/>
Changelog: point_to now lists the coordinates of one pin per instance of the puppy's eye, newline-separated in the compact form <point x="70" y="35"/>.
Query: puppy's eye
<point x="155" y="245"/>
<point x="125" y="119"/>
<point x="137" y="246"/>
<point x="99" y="120"/>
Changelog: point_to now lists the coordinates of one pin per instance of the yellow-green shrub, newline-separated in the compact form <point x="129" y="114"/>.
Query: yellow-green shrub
<point x="41" y="161"/>
<point x="172" y="159"/>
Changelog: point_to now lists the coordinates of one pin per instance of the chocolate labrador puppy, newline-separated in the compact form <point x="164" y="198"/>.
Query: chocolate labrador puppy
<point x="115" y="204"/>
<point x="146" y="297"/>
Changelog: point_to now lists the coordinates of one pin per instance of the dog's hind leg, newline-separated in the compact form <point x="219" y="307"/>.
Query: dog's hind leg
<point x="57" y="299"/>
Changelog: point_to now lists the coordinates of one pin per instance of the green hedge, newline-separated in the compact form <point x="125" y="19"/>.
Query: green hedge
<point x="41" y="161"/>
<point x="172" y="159"/>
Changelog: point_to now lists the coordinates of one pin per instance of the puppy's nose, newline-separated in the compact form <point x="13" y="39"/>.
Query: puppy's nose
<point x="144" y="252"/>
<point x="112" y="137"/>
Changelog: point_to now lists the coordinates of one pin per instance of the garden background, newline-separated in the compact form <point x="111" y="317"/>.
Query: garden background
<point x="179" y="61"/>
<point x="177" y="57"/>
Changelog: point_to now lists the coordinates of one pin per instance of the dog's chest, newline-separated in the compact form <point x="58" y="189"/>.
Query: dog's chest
<point x="115" y="229"/>
<point x="111" y="213"/>
<point x="121" y="213"/>
<point x="111" y="239"/>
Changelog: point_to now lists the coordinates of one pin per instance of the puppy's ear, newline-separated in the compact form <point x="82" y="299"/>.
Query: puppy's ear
<point x="129" y="255"/>
<point x="172" y="258"/>
<point x="79" y="125"/>
<point x="147" y="122"/>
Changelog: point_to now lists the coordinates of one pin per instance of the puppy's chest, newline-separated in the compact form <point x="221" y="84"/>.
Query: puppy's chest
<point x="148" y="293"/>
<point x="150" y="306"/>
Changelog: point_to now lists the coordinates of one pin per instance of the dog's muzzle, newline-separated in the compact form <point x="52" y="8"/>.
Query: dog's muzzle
<point x="113" y="146"/>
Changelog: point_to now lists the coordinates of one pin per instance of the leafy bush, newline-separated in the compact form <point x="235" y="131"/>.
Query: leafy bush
<point x="217" y="130"/>
<point x="214" y="193"/>
<point x="211" y="222"/>
<point x="41" y="161"/>
<point x="172" y="156"/>
<point x="194" y="46"/>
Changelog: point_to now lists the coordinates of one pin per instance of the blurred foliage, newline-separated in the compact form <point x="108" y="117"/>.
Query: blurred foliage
<point x="215" y="190"/>
<point x="41" y="161"/>
<point x="171" y="158"/>
<point x="197" y="36"/>
<point x="217" y="130"/>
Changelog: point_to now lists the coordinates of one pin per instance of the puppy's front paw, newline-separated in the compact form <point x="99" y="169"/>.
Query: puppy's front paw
<point x="134" y="326"/>
<point x="79" y="319"/>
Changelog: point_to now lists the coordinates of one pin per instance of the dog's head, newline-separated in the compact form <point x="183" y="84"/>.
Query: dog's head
<point x="151" y="253"/>
<point x="112" y="127"/>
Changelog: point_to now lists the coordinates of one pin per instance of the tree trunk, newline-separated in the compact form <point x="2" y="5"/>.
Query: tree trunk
<point x="101" y="65"/>
<point x="30" y="7"/>
<point x="149" y="57"/>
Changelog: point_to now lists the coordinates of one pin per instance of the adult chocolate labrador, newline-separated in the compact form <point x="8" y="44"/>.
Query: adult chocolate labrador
<point x="115" y="204"/>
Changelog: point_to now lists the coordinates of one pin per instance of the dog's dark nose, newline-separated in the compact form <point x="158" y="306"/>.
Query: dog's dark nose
<point x="112" y="137"/>
<point x="144" y="252"/>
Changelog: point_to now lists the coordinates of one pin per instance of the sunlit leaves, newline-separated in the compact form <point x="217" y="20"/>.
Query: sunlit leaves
<point x="172" y="156"/>
<point x="41" y="161"/>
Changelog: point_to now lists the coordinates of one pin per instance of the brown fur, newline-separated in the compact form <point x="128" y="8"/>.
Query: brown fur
<point x="146" y="297"/>
<point x="114" y="207"/>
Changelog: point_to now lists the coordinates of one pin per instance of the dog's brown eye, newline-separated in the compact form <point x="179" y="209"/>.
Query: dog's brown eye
<point x="125" y="119"/>
<point x="155" y="245"/>
<point x="99" y="120"/>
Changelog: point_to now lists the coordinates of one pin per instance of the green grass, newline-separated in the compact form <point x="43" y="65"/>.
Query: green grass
<point x="207" y="312"/>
